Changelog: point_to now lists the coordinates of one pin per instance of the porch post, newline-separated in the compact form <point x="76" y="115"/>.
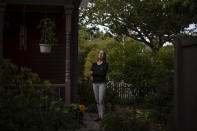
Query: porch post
<point x="2" y="10"/>
<point x="68" y="18"/>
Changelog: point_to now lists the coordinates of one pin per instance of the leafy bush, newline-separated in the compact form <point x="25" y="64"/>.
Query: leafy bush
<point x="162" y="100"/>
<point x="125" y="120"/>
<point x="26" y="107"/>
<point x="85" y="93"/>
<point x="86" y="96"/>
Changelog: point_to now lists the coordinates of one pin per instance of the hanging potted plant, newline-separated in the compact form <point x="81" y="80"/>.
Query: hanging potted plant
<point x="48" y="38"/>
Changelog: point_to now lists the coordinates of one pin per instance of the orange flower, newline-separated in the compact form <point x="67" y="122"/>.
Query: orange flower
<point x="82" y="108"/>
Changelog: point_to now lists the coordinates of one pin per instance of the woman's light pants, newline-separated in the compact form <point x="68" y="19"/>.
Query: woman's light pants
<point x="99" y="93"/>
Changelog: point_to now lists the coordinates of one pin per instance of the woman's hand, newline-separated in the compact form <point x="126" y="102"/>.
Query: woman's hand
<point x="91" y="72"/>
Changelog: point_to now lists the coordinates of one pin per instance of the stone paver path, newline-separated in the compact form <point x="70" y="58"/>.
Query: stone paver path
<point x="89" y="124"/>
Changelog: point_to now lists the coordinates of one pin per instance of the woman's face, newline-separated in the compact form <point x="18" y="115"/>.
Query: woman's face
<point x="101" y="54"/>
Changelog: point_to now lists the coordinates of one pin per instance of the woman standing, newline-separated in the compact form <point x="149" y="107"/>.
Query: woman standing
<point x="98" y="72"/>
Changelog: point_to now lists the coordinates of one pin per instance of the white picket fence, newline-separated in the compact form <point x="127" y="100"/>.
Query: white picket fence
<point x="123" y="91"/>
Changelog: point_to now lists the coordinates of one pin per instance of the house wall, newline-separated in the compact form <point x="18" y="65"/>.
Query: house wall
<point x="60" y="66"/>
<point x="2" y="10"/>
<point x="11" y="46"/>
<point x="49" y="66"/>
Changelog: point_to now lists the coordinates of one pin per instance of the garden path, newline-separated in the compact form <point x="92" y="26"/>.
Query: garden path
<point x="89" y="124"/>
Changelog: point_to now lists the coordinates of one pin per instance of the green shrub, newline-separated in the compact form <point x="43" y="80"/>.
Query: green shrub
<point x="125" y="120"/>
<point x="85" y="93"/>
<point x="26" y="107"/>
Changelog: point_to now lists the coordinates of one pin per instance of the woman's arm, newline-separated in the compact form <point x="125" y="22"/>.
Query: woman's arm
<point x="101" y="72"/>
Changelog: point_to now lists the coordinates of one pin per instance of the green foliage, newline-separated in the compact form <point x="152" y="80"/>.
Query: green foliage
<point x="162" y="100"/>
<point x="60" y="116"/>
<point x="106" y="45"/>
<point x="25" y="106"/>
<point x="85" y="93"/>
<point x="152" y="22"/>
<point x="132" y="63"/>
<point x="116" y="59"/>
<point x="126" y="120"/>
<point x="48" y="27"/>
<point x="85" y="46"/>
<point x="91" y="58"/>
<point x="145" y="71"/>
<point x="149" y="73"/>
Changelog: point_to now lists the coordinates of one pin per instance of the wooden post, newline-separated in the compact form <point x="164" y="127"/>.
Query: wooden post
<point x="74" y="57"/>
<point x="2" y="10"/>
<point x="68" y="17"/>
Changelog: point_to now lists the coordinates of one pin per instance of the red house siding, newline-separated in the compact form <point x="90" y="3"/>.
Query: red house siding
<point x="59" y="66"/>
<point x="49" y="66"/>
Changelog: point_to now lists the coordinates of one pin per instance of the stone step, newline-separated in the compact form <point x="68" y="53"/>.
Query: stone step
<point x="92" y="124"/>
<point x="89" y="124"/>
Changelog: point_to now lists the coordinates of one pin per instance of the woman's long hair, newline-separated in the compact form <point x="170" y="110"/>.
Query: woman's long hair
<point x="104" y="58"/>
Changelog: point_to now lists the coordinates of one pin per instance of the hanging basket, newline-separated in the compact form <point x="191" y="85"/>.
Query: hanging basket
<point x="45" y="48"/>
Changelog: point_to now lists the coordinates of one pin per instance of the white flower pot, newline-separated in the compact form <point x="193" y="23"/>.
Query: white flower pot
<point x="45" y="48"/>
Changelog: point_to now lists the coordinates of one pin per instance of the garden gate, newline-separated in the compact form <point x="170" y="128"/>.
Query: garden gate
<point x="186" y="83"/>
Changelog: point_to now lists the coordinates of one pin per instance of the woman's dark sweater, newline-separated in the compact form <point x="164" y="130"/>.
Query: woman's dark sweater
<point x="99" y="72"/>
